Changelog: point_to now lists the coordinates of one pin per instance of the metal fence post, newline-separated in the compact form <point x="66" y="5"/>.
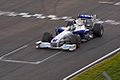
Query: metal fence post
<point x="106" y="76"/>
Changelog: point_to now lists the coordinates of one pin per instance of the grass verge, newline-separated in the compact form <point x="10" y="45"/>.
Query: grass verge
<point x="110" y="65"/>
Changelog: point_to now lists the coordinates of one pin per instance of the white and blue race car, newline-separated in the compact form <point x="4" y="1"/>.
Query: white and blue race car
<point x="83" y="29"/>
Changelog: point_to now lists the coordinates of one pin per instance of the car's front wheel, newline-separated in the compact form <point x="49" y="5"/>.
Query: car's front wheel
<point x="47" y="37"/>
<point x="75" y="39"/>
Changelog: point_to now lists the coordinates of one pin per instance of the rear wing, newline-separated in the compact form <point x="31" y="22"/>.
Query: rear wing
<point x="87" y="17"/>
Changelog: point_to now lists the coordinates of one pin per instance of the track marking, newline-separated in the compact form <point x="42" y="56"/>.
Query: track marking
<point x="37" y="16"/>
<point x="117" y="4"/>
<point x="65" y="17"/>
<point x="12" y="14"/>
<point x="38" y="62"/>
<point x="105" y="2"/>
<point x="91" y="64"/>
<point x="55" y="18"/>
<point x="51" y="17"/>
<point x="113" y="22"/>
<point x="16" y="61"/>
<point x="25" y="15"/>
<point x="13" y="51"/>
<point x="27" y="62"/>
<point x="4" y="13"/>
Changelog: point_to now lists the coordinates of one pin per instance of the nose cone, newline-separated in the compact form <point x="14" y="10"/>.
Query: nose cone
<point x="57" y="38"/>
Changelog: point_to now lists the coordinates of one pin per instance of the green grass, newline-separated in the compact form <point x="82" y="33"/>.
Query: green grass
<point x="110" y="65"/>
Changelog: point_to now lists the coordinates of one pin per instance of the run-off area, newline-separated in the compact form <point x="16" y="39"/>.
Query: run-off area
<point x="25" y="55"/>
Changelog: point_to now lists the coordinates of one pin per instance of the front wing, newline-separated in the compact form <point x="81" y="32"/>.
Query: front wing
<point x="70" y="47"/>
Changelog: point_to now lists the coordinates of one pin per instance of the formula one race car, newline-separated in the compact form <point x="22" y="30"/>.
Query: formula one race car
<point x="83" y="29"/>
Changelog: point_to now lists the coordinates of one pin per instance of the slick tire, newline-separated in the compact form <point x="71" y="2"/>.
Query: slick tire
<point x="47" y="37"/>
<point x="98" y="30"/>
<point x="75" y="39"/>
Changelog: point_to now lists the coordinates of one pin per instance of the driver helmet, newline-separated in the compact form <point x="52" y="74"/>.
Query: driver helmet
<point x="71" y="26"/>
<point x="79" y="21"/>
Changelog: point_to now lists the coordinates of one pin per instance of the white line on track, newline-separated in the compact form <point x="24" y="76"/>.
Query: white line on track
<point x="16" y="61"/>
<point x="91" y="64"/>
<point x="105" y="2"/>
<point x="50" y="17"/>
<point x="27" y="62"/>
<point x="28" y="15"/>
<point x="39" y="16"/>
<point x="13" y="51"/>
<point x="38" y="62"/>
<point x="117" y="4"/>
<point x="13" y="14"/>
<point x="113" y="22"/>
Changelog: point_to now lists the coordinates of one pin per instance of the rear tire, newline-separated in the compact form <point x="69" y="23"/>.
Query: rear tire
<point x="98" y="30"/>
<point x="47" y="37"/>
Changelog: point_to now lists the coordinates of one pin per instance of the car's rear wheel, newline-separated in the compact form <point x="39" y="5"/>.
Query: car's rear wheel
<point x="47" y="37"/>
<point x="98" y="30"/>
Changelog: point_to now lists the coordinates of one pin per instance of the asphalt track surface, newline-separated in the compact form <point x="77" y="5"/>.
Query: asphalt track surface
<point x="18" y="35"/>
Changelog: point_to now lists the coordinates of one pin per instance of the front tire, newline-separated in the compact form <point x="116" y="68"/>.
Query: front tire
<point x="75" y="39"/>
<point x="47" y="37"/>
